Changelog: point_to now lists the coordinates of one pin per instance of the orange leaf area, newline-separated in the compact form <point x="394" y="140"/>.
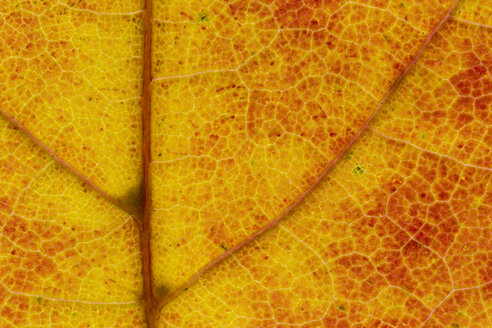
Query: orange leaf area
<point x="398" y="234"/>
<point x="66" y="255"/>
<point x="253" y="101"/>
<point x="383" y="241"/>
<point x="70" y="73"/>
<point x="247" y="163"/>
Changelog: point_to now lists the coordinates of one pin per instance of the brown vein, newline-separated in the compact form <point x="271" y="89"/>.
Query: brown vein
<point x="66" y="165"/>
<point x="282" y="215"/>
<point x="149" y="297"/>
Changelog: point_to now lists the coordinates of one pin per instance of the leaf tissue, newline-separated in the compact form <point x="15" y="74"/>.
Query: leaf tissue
<point x="246" y="163"/>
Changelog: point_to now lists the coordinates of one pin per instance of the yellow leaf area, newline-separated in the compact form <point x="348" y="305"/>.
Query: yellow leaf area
<point x="314" y="163"/>
<point x="398" y="234"/>
<point x="68" y="258"/>
<point x="70" y="73"/>
<point x="253" y="101"/>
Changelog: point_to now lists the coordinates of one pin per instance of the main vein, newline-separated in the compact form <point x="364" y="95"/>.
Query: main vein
<point x="149" y="298"/>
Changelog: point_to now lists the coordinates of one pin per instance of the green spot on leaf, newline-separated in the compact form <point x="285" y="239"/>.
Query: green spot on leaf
<point x="455" y="325"/>
<point x="341" y="308"/>
<point x="349" y="154"/>
<point x="39" y="300"/>
<point x="358" y="170"/>
<point x="223" y="247"/>
<point x="203" y="17"/>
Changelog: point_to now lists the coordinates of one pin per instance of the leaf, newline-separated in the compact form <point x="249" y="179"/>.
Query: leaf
<point x="271" y="99"/>
<point x="72" y="77"/>
<point x="245" y="164"/>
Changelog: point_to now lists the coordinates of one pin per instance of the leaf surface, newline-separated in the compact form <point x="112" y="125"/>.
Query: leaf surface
<point x="71" y="74"/>
<point x="68" y="257"/>
<point x="245" y="163"/>
<point x="398" y="233"/>
<point x="273" y="94"/>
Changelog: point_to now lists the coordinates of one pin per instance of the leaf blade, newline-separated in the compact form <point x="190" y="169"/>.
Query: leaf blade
<point x="72" y="77"/>
<point x="234" y="149"/>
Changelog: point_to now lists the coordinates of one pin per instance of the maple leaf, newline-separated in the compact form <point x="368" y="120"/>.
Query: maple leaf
<point x="245" y="163"/>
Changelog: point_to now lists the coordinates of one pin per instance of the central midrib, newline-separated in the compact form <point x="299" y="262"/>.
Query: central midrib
<point x="149" y="296"/>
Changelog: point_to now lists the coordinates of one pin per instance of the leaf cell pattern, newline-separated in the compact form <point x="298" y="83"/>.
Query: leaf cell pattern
<point x="71" y="74"/>
<point x="314" y="163"/>
<point x="244" y="127"/>
<point x="66" y="255"/>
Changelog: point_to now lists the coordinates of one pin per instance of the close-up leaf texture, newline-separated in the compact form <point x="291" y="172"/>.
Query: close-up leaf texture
<point x="247" y="163"/>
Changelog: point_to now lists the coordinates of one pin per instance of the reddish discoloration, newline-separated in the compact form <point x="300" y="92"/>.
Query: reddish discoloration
<point x="27" y="270"/>
<point x="468" y="258"/>
<point x="15" y="311"/>
<point x="370" y="234"/>
<point x="293" y="15"/>
<point x="463" y="309"/>
<point x="357" y="278"/>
